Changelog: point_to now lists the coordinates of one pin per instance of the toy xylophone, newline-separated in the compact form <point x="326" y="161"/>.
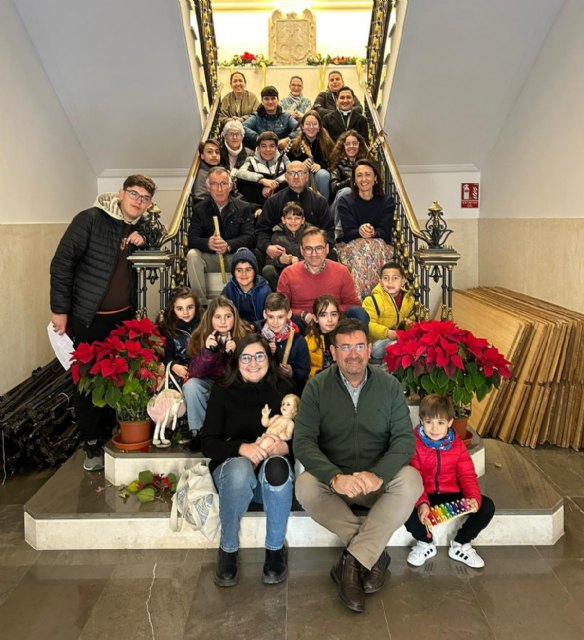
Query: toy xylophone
<point x="447" y="511"/>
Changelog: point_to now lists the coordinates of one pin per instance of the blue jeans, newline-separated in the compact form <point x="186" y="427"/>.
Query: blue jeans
<point x="322" y="180"/>
<point x="378" y="348"/>
<point x="238" y="485"/>
<point x="196" y="392"/>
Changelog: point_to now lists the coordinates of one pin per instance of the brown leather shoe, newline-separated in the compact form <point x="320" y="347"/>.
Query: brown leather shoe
<point x="347" y="574"/>
<point x="374" y="579"/>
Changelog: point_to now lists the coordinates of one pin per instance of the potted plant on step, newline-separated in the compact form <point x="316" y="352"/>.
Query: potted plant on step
<point x="440" y="357"/>
<point x="123" y="372"/>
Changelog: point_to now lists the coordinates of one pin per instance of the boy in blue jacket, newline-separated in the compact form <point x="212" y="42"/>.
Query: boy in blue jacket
<point x="284" y="337"/>
<point x="247" y="290"/>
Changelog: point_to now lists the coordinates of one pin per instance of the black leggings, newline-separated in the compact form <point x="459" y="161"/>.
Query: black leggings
<point x="472" y="526"/>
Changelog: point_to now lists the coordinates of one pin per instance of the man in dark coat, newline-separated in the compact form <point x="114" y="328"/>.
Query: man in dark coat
<point x="345" y="116"/>
<point x="235" y="226"/>
<point x="93" y="289"/>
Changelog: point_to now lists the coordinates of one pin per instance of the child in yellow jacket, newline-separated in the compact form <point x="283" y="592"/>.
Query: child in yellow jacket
<point x="389" y="306"/>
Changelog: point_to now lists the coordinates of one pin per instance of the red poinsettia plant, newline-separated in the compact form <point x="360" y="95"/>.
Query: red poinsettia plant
<point x="124" y="370"/>
<point x="440" y="357"/>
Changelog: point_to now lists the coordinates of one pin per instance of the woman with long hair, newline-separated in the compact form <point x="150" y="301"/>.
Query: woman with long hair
<point x="366" y="218"/>
<point x="313" y="146"/>
<point x="245" y="466"/>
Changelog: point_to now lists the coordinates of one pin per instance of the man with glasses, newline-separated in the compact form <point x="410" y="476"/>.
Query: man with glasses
<point x="302" y="283"/>
<point x="235" y="225"/>
<point x="315" y="207"/>
<point x="354" y="436"/>
<point x="93" y="288"/>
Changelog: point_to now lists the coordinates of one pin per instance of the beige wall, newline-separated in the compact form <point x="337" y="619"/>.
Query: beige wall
<point x="536" y="256"/>
<point x="26" y="251"/>
<point x="338" y="33"/>
<point x="532" y="212"/>
<point x="44" y="177"/>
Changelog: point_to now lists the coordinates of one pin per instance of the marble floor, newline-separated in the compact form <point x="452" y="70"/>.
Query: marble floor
<point x="523" y="592"/>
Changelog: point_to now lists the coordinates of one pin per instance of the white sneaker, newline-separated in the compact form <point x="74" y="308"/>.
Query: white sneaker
<point x="465" y="553"/>
<point x="421" y="552"/>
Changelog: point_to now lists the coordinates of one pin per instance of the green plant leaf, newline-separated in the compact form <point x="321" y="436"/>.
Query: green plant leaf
<point x="148" y="494"/>
<point x="145" y="477"/>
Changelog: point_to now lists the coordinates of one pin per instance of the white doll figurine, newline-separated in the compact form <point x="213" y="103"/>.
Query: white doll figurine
<point x="280" y="425"/>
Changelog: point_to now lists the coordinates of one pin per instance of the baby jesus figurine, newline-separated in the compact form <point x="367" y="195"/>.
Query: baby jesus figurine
<point x="282" y="425"/>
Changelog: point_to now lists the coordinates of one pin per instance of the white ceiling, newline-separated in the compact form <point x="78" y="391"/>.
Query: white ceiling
<point x="121" y="72"/>
<point x="461" y="66"/>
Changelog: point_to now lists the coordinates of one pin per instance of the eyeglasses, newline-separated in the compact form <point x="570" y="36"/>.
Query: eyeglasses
<point x="311" y="125"/>
<point x="134" y="195"/>
<point x="259" y="357"/>
<point x="351" y="144"/>
<point x="347" y="348"/>
<point x="234" y="134"/>
<point x="318" y="249"/>
<point x="219" y="185"/>
<point x="295" y="174"/>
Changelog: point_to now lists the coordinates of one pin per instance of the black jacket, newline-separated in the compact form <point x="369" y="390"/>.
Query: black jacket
<point x="334" y="123"/>
<point x="326" y="102"/>
<point x="84" y="262"/>
<point x="341" y="176"/>
<point x="235" y="224"/>
<point x="234" y="417"/>
<point x="316" y="212"/>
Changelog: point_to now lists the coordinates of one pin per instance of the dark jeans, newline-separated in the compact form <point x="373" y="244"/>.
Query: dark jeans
<point x="472" y="526"/>
<point x="95" y="423"/>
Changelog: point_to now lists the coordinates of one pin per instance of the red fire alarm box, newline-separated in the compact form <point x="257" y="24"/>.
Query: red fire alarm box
<point x="469" y="195"/>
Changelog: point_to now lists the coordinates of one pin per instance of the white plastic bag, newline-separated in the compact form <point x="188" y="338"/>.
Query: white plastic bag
<point x="196" y="501"/>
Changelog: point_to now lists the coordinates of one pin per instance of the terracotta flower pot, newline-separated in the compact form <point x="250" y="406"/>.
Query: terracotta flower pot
<point x="133" y="432"/>
<point x="460" y="425"/>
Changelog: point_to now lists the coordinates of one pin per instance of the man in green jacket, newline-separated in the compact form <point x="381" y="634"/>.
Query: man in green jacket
<point x="354" y="436"/>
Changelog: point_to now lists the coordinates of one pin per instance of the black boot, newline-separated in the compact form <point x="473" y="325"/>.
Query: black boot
<point x="275" y="566"/>
<point x="226" y="572"/>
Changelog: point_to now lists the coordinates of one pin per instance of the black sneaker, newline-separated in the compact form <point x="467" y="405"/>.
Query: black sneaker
<point x="195" y="444"/>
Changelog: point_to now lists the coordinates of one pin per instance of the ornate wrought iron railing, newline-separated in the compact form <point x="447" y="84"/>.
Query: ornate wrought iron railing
<point x="208" y="45"/>
<point x="378" y="34"/>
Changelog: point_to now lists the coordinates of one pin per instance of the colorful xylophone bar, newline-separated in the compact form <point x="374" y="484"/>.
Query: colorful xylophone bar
<point x="447" y="511"/>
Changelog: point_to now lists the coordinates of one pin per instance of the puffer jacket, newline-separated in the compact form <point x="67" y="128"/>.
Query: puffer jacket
<point x="446" y="471"/>
<point x="84" y="261"/>
<point x="341" y="175"/>
<point x="255" y="168"/>
<point x="281" y="123"/>
<point x="385" y="315"/>
<point x="290" y="241"/>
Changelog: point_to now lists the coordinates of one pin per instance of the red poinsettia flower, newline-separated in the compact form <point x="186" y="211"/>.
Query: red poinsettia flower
<point x="84" y="353"/>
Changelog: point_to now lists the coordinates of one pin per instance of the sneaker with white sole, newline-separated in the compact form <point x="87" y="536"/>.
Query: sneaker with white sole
<point x="93" y="462"/>
<point x="465" y="553"/>
<point x="421" y="552"/>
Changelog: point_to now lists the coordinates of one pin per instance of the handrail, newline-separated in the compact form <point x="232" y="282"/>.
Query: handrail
<point x="395" y="174"/>
<point x="378" y="32"/>
<point x="188" y="185"/>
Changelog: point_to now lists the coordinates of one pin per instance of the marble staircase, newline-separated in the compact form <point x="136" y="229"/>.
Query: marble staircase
<point x="80" y="510"/>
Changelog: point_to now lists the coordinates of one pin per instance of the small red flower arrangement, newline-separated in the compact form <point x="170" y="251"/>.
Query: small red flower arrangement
<point x="440" y="357"/>
<point x="124" y="370"/>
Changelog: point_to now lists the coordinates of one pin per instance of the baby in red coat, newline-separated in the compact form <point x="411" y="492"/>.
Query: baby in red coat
<point x="448" y="474"/>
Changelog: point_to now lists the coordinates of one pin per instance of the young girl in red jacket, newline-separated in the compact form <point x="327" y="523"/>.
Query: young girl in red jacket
<point x="448" y="474"/>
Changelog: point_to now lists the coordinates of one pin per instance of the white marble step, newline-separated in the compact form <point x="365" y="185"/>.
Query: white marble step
<point x="80" y="510"/>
